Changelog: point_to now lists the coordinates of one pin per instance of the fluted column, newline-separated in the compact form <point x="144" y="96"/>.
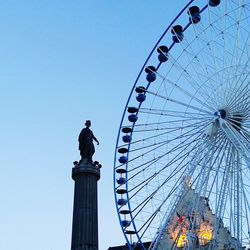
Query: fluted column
<point x="85" y="210"/>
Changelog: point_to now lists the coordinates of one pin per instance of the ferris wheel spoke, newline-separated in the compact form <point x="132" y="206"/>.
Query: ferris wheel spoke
<point x="172" y="121"/>
<point x="142" y="204"/>
<point x="240" y="93"/>
<point x="147" y="224"/>
<point x="178" y="169"/>
<point x="154" y="143"/>
<point x="244" y="107"/>
<point x="247" y="212"/>
<point x="198" y="150"/>
<point x="178" y="102"/>
<point x="186" y="119"/>
<point x="243" y="52"/>
<point x="172" y="114"/>
<point x="158" y="146"/>
<point x="220" y="159"/>
<point x="172" y="190"/>
<point x="240" y="70"/>
<point x="237" y="139"/>
<point x="237" y="215"/>
<point x="190" y="50"/>
<point x="151" y="218"/>
<point x="236" y="40"/>
<point x="223" y="195"/>
<point x="179" y="157"/>
<point x="236" y="36"/>
<point x="225" y="32"/>
<point x="190" y="79"/>
<point x="239" y="90"/>
<point x="224" y="183"/>
<point x="181" y="114"/>
<point x="225" y="52"/>
<point x="245" y="209"/>
<point x="212" y="154"/>
<point x="192" y="131"/>
<point x="244" y="130"/>
<point x="171" y="129"/>
<point x="210" y="44"/>
<point x="245" y="133"/>
<point x="180" y="148"/>
<point x="182" y="90"/>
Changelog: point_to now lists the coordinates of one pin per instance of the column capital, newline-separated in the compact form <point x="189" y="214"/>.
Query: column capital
<point x="85" y="168"/>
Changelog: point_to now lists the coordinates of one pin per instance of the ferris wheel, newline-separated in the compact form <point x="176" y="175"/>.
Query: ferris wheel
<point x="182" y="161"/>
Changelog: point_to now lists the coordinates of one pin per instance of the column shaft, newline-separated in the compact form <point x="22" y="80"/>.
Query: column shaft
<point x="85" y="211"/>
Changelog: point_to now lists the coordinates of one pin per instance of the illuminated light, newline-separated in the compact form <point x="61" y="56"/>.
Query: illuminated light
<point x="180" y="220"/>
<point x="182" y="240"/>
<point x="205" y="237"/>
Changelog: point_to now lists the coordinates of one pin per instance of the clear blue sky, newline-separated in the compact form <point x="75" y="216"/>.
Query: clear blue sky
<point x="62" y="62"/>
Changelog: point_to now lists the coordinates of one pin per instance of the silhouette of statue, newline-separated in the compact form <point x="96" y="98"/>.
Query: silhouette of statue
<point x="86" y="145"/>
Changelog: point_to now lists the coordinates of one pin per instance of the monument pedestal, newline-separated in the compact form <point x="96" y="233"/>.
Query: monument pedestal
<point x="85" y="210"/>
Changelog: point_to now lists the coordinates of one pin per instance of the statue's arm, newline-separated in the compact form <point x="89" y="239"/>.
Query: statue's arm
<point x="94" y="138"/>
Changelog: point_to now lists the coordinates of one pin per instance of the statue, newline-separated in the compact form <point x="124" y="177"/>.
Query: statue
<point x="86" y="145"/>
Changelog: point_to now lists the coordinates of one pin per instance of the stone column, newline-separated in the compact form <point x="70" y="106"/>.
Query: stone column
<point x="85" y="210"/>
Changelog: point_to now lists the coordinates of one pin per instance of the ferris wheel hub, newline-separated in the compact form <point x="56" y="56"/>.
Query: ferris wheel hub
<point x="221" y="113"/>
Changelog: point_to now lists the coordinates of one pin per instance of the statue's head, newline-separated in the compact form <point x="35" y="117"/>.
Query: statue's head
<point x="88" y="123"/>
